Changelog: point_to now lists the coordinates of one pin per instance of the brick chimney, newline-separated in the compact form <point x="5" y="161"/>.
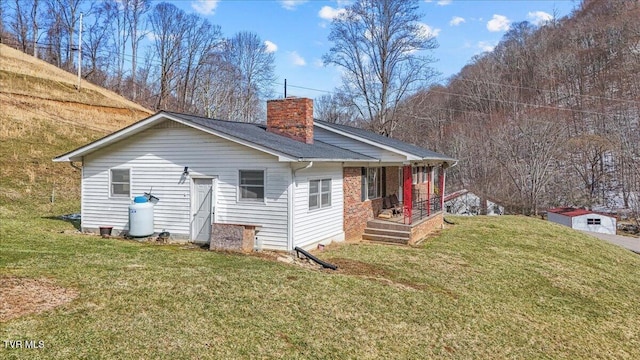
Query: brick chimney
<point x="291" y="117"/>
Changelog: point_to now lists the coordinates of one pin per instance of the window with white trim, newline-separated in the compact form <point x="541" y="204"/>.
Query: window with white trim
<point x="251" y="185"/>
<point x="319" y="194"/>
<point x="120" y="182"/>
<point x="593" y="221"/>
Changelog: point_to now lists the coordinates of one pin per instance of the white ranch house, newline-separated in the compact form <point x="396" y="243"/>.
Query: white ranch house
<point x="582" y="219"/>
<point x="294" y="181"/>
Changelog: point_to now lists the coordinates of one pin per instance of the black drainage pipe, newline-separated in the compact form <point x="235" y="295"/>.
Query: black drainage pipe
<point x="324" y="264"/>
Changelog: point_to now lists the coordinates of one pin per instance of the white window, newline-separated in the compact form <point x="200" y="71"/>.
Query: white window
<point x="120" y="182"/>
<point x="319" y="193"/>
<point x="414" y="175"/>
<point x="251" y="185"/>
<point x="593" y="221"/>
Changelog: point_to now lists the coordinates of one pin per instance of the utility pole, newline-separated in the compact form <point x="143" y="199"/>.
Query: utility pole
<point x="80" y="53"/>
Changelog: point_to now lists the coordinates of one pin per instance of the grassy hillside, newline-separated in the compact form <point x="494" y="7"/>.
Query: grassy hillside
<point x="486" y="288"/>
<point x="44" y="115"/>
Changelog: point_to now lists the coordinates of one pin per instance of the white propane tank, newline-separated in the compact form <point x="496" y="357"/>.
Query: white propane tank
<point x="140" y="217"/>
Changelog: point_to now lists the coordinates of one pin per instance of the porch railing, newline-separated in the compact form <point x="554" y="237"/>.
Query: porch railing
<point x="422" y="208"/>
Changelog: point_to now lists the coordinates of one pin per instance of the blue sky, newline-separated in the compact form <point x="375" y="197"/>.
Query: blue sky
<point x="297" y="31"/>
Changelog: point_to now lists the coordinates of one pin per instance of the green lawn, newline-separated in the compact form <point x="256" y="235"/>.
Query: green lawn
<point x="499" y="287"/>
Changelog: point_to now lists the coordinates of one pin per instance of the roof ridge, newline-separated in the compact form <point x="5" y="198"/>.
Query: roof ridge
<point x="211" y="119"/>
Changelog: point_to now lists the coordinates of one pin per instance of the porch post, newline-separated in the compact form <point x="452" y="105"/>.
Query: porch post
<point x="406" y="188"/>
<point x="442" y="176"/>
<point x="429" y="190"/>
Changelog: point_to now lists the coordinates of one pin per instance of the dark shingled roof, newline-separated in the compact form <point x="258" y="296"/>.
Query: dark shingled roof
<point x="397" y="144"/>
<point x="258" y="134"/>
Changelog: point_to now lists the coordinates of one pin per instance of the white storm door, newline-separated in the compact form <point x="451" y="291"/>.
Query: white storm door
<point x="202" y="205"/>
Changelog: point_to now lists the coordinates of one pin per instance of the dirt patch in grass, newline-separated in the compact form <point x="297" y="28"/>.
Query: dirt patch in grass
<point x="373" y="272"/>
<point x="24" y="296"/>
<point x="358" y="268"/>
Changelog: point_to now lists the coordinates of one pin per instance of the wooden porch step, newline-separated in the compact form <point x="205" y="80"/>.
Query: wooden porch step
<point x="402" y="234"/>
<point x="387" y="225"/>
<point x="385" y="239"/>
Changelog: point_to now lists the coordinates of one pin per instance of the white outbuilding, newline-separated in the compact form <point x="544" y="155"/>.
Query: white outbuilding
<point x="465" y="202"/>
<point x="582" y="219"/>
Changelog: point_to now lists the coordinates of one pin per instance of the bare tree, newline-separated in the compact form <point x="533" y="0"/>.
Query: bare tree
<point x="255" y="67"/>
<point x="383" y="49"/>
<point x="68" y="14"/>
<point x="134" y="11"/>
<point x="527" y="149"/>
<point x="168" y="24"/>
<point x="334" y="108"/>
<point x="95" y="42"/>
<point x="20" y="25"/>
<point x="200" y="38"/>
<point x="120" y="33"/>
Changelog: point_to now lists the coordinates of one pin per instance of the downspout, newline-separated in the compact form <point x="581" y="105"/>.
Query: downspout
<point x="310" y="164"/>
<point x="75" y="166"/>
<point x="292" y="207"/>
<point x="81" y="169"/>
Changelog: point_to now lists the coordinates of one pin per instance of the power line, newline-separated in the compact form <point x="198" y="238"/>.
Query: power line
<point x="545" y="90"/>
<point x="537" y="106"/>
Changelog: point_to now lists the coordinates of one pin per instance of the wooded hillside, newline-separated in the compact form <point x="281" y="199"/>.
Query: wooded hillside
<point x="550" y="117"/>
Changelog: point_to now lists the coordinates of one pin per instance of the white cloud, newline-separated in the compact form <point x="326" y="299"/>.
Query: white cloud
<point x="456" y="20"/>
<point x="271" y="46"/>
<point x="318" y="63"/>
<point x="329" y="13"/>
<point x="205" y="7"/>
<point x="539" y="17"/>
<point x="486" y="46"/>
<point x="296" y="59"/>
<point x="444" y="2"/>
<point x="151" y="36"/>
<point x="498" y="23"/>
<point x="426" y="31"/>
<point x="291" y="4"/>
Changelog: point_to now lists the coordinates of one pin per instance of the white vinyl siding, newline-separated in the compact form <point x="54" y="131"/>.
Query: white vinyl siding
<point x="315" y="225"/>
<point x="599" y="223"/>
<point x="355" y="145"/>
<point x="595" y="222"/>
<point x="157" y="158"/>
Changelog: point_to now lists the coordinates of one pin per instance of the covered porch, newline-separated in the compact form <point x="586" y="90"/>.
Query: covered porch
<point x="396" y="204"/>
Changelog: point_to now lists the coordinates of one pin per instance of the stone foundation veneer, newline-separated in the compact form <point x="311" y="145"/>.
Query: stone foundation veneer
<point x="234" y="237"/>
